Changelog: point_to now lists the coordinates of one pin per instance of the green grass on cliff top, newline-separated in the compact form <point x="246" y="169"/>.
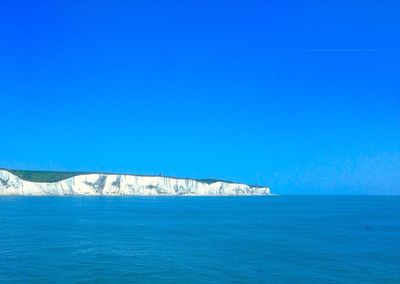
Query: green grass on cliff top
<point x="43" y="176"/>
<point x="55" y="176"/>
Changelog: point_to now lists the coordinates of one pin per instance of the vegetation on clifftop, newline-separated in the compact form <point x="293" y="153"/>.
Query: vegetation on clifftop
<point x="55" y="176"/>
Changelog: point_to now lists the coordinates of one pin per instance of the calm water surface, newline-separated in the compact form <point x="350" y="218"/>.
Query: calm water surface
<point x="280" y="239"/>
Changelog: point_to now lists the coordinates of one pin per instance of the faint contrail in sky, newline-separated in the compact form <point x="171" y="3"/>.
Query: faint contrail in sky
<point x="354" y="50"/>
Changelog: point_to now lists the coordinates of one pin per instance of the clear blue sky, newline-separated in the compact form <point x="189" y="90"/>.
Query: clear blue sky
<point x="301" y="95"/>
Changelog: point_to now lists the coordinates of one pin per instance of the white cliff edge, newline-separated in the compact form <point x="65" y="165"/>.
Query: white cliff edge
<point x="106" y="184"/>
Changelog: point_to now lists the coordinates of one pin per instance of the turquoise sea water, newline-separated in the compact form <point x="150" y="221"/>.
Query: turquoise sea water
<point x="283" y="239"/>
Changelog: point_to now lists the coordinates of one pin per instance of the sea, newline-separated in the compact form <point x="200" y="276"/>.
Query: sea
<point x="270" y="239"/>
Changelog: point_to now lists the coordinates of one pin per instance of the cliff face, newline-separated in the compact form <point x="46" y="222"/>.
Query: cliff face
<point x="105" y="184"/>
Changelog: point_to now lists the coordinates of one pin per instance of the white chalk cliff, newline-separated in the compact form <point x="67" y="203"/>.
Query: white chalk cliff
<point x="107" y="184"/>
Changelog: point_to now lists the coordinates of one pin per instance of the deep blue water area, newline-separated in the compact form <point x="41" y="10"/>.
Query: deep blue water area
<point x="272" y="239"/>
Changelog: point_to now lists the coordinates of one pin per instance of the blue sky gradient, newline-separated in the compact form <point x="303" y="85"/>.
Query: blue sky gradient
<point x="301" y="95"/>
